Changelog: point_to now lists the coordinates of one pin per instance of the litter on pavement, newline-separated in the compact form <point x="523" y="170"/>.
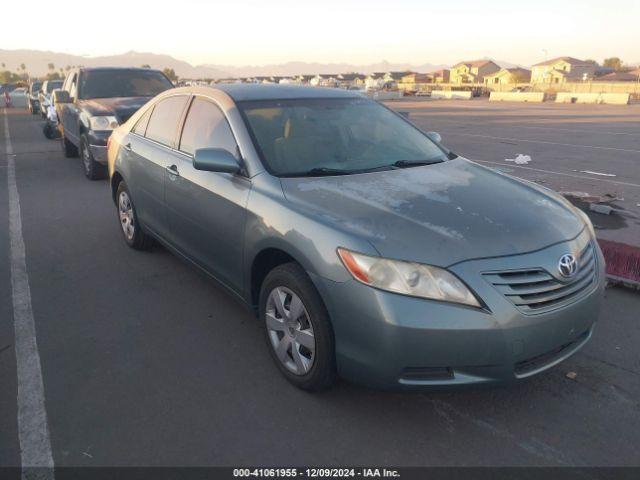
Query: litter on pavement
<point x="519" y="160"/>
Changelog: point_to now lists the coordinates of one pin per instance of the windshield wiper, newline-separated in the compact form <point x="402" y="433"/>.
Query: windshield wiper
<point x="414" y="163"/>
<point x="323" y="171"/>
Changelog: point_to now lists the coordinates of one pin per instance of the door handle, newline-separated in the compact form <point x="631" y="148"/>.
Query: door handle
<point x="173" y="170"/>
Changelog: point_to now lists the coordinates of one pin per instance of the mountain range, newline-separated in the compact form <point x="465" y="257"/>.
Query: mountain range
<point x="37" y="64"/>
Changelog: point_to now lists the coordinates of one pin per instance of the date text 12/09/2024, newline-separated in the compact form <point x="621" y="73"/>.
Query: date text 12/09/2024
<point x="315" y="473"/>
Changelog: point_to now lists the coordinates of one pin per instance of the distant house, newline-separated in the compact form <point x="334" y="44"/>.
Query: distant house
<point x="346" y="80"/>
<point x="563" y="69"/>
<point x="626" y="76"/>
<point x="508" y="76"/>
<point x="473" y="71"/>
<point x="324" y="80"/>
<point x="441" y="76"/>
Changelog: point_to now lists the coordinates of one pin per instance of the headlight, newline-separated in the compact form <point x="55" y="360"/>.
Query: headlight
<point x="407" y="278"/>
<point x="585" y="218"/>
<point x="103" y="123"/>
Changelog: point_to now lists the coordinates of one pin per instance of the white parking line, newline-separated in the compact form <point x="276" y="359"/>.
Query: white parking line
<point x="543" y="141"/>
<point x="33" y="429"/>
<point x="511" y="165"/>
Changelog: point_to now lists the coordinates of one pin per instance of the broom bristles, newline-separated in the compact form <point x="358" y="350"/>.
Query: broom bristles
<point x="622" y="260"/>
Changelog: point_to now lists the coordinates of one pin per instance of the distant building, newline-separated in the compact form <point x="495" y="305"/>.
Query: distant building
<point x="441" y="76"/>
<point x="508" y="76"/>
<point x="563" y="69"/>
<point x="626" y="76"/>
<point x="351" y="80"/>
<point x="473" y="71"/>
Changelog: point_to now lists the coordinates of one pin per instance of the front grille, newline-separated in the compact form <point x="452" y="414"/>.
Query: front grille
<point x="532" y="364"/>
<point x="535" y="290"/>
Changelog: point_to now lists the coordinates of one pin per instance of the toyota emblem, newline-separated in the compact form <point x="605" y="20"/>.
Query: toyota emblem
<point x="567" y="265"/>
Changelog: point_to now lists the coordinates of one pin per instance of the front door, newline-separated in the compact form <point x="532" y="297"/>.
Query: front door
<point x="206" y="210"/>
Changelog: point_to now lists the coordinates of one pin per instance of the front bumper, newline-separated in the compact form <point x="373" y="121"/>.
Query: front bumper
<point x="98" y="145"/>
<point x="390" y="341"/>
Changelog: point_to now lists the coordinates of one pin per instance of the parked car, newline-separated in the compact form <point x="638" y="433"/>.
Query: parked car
<point x="45" y="95"/>
<point x="33" y="102"/>
<point x="94" y="101"/>
<point x="18" y="97"/>
<point x="367" y="248"/>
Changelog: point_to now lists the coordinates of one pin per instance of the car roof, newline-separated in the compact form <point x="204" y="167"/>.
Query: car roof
<point x="246" y="91"/>
<point x="96" y="69"/>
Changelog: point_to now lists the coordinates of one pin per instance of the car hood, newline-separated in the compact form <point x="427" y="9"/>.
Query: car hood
<point x="121" y="107"/>
<point x="438" y="214"/>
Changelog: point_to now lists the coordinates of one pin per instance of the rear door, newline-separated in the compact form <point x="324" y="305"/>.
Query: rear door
<point x="150" y="150"/>
<point x="206" y="210"/>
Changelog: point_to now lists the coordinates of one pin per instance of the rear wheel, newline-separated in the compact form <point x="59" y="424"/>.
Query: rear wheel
<point x="133" y="234"/>
<point x="92" y="169"/>
<point x="297" y="327"/>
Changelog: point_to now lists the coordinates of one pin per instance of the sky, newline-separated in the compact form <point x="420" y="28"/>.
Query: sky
<point x="252" y="32"/>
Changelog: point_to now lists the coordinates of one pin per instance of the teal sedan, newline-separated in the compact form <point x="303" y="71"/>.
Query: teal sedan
<point x="367" y="249"/>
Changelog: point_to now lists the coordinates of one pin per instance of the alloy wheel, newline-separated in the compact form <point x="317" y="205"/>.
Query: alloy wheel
<point x="125" y="209"/>
<point x="290" y="330"/>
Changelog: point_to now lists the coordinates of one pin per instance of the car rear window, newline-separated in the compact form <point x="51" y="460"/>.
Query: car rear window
<point x="122" y="83"/>
<point x="51" y="86"/>
<point x="163" y="123"/>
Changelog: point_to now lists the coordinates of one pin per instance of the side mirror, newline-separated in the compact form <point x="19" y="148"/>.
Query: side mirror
<point x="215" y="160"/>
<point x="61" y="96"/>
<point x="435" y="136"/>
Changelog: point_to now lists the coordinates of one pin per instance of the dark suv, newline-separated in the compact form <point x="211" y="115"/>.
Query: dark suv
<point x="94" y="101"/>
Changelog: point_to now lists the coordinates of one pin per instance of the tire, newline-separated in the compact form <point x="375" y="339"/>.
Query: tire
<point x="131" y="230"/>
<point x="69" y="149"/>
<point x="92" y="169"/>
<point x="303" y="348"/>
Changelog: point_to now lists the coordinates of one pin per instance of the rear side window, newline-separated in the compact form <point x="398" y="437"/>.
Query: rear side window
<point x="206" y="127"/>
<point x="164" y="120"/>
<point x="141" y="126"/>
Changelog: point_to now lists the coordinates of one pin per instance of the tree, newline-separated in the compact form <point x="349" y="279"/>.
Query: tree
<point x="51" y="67"/>
<point x="146" y="65"/>
<point x="171" y="74"/>
<point x="613" y="62"/>
<point x="67" y="68"/>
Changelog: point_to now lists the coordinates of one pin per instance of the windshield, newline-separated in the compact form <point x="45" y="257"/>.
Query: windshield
<point x="334" y="136"/>
<point x="35" y="86"/>
<point x="51" y="86"/>
<point x="122" y="83"/>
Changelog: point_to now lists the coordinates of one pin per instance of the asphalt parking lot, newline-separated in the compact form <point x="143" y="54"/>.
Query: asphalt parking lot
<point x="147" y="362"/>
<point x="564" y="142"/>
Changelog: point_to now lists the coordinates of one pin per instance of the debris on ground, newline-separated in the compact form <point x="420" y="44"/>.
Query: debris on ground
<point x="600" y="208"/>
<point x="598" y="173"/>
<point x="519" y="160"/>
<point x="589" y="198"/>
<point x="571" y="375"/>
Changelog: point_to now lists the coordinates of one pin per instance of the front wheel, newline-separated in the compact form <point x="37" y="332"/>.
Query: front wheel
<point x="92" y="169"/>
<point x="297" y="327"/>
<point x="135" y="237"/>
<point x="68" y="148"/>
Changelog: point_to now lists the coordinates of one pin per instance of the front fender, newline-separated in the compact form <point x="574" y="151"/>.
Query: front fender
<point x="276" y="223"/>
